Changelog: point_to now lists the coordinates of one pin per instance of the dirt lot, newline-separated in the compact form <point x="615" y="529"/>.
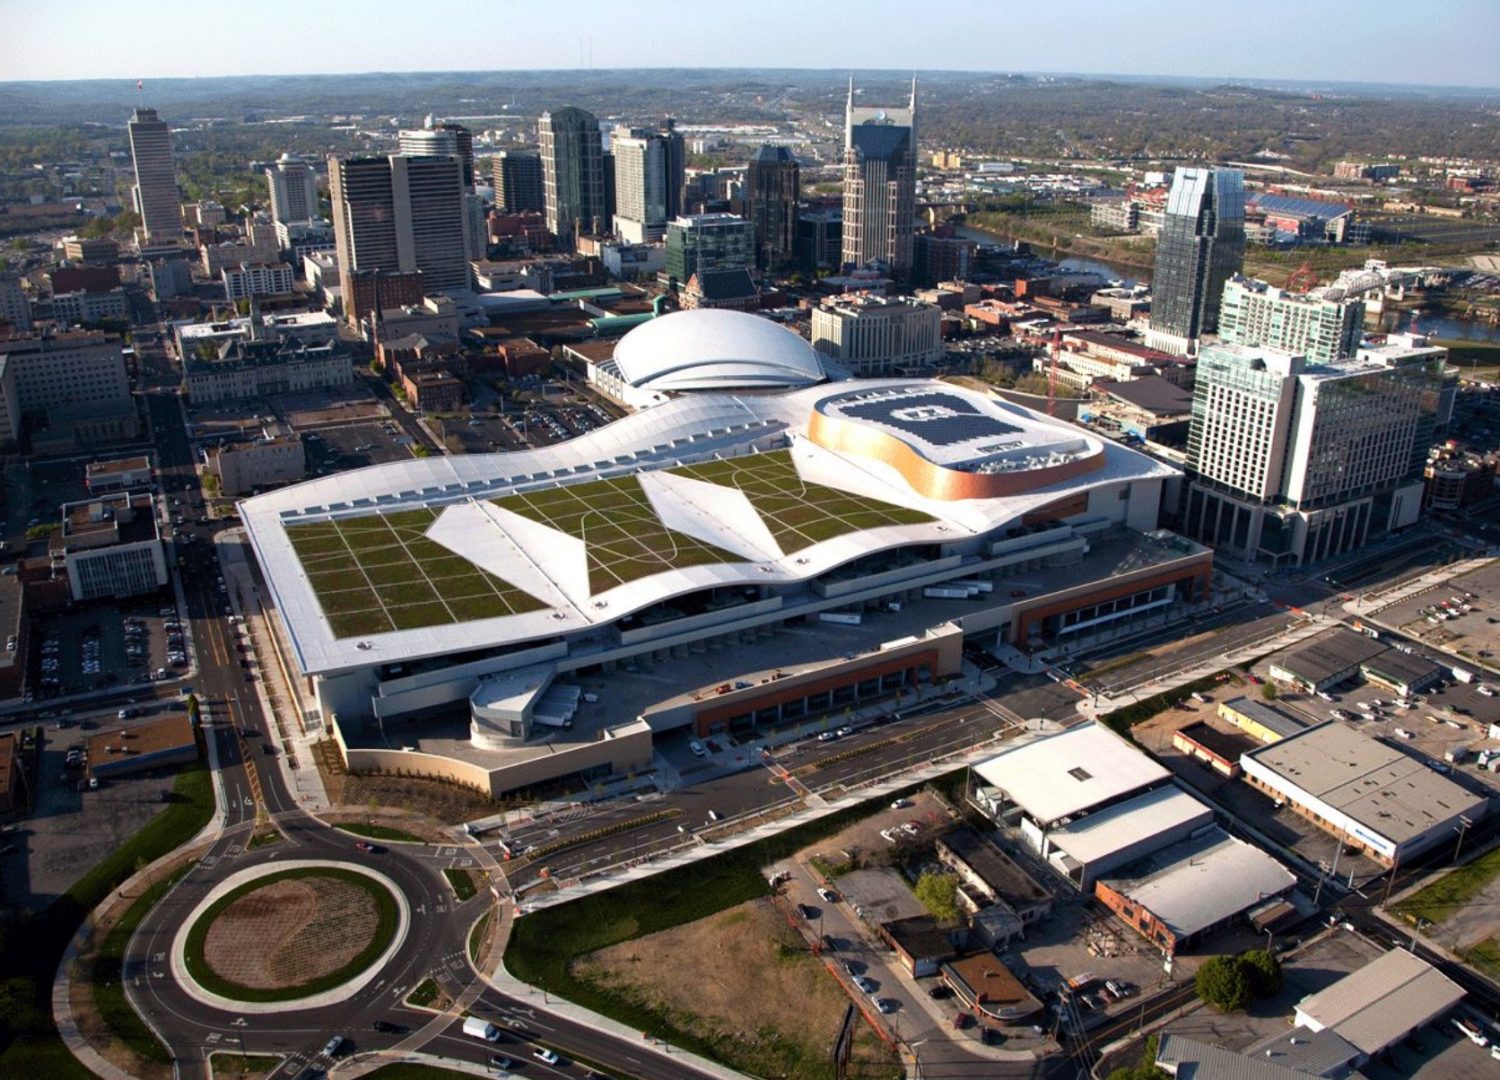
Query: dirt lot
<point x="741" y="977"/>
<point x="290" y="932"/>
<point x="862" y="845"/>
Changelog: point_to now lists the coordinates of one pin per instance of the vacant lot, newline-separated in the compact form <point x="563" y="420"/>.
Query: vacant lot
<point x="1458" y="909"/>
<point x="744" y="979"/>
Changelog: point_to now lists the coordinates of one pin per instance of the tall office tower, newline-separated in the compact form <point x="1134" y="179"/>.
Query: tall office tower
<point x="880" y="184"/>
<point x="155" y="192"/>
<point x="1323" y="326"/>
<point x="648" y="175"/>
<point x="1201" y="246"/>
<point x="518" y="181"/>
<point x="401" y="213"/>
<point x="606" y="224"/>
<point x="440" y="140"/>
<point x="698" y="243"/>
<point x="15" y="309"/>
<point x="1293" y="462"/>
<point x="294" y="190"/>
<point x="772" y="188"/>
<point x="572" y="173"/>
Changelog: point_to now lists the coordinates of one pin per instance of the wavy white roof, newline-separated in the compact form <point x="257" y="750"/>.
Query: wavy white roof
<point x="710" y="349"/>
<point x="550" y="565"/>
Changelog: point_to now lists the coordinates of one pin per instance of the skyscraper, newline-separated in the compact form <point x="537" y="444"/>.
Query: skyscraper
<point x="401" y="213"/>
<point x="572" y="173"/>
<point x="1201" y="246"/>
<point x="1294" y="462"/>
<point x="440" y="140"/>
<point x="880" y="184"/>
<point x="648" y="175"/>
<point x="518" y="181"/>
<point x="155" y="193"/>
<point x="294" y="190"/>
<point x="1323" y="326"/>
<point x="772" y="188"/>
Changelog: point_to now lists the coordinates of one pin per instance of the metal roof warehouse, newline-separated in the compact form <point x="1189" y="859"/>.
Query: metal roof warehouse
<point x="1326" y="660"/>
<point x="1370" y="793"/>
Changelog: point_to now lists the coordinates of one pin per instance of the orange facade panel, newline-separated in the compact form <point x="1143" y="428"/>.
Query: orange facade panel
<point x="933" y="480"/>
<point x="1195" y="580"/>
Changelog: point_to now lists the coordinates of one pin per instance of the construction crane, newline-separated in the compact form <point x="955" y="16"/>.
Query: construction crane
<point x="1052" y="372"/>
<point x="1303" y="278"/>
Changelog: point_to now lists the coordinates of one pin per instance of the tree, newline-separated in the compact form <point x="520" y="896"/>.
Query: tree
<point x="1264" y="972"/>
<point x="1268" y="691"/>
<point x="1223" y="983"/>
<point x="1145" y="1069"/>
<point x="938" y="894"/>
<point x="1033" y="383"/>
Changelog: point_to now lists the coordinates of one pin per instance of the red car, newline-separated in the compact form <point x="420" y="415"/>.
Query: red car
<point x="365" y="846"/>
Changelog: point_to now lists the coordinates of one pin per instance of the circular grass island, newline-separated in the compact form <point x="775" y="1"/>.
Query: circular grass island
<point x="290" y="934"/>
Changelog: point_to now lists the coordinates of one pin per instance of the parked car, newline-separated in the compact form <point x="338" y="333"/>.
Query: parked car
<point x="698" y="749"/>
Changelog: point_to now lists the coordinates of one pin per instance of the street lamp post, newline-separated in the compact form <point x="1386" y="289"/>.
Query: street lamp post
<point x="1462" y="827"/>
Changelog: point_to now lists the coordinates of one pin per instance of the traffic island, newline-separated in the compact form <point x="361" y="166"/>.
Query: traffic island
<point x="291" y="936"/>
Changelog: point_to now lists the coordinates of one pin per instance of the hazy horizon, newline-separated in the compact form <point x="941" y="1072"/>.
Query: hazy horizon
<point x="1452" y="43"/>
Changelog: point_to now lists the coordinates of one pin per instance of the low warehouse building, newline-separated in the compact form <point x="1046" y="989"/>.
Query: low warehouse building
<point x="1182" y="893"/>
<point x="989" y="990"/>
<point x="1382" y="1003"/>
<point x="1325" y="661"/>
<point x="1219" y="750"/>
<point x="1049" y="781"/>
<point x="1405" y="673"/>
<point x="989" y="874"/>
<point x="172" y="740"/>
<point x="1088" y="848"/>
<point x="919" y="942"/>
<point x="1372" y="795"/>
<point x="1260" y="721"/>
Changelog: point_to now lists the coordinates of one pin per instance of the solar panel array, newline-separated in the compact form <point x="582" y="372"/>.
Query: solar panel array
<point x="936" y="418"/>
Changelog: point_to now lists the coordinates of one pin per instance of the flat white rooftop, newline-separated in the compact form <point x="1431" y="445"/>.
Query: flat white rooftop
<point x="1128" y="823"/>
<point x="1061" y="775"/>
<point x="1381" y="1002"/>
<point x="1204" y="881"/>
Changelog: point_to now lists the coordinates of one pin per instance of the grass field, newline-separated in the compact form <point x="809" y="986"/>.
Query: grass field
<point x="380" y="832"/>
<point x="1441" y="898"/>
<point x="799" y="514"/>
<point x="379" y="573"/>
<point x="624" y="538"/>
<point x="461" y="882"/>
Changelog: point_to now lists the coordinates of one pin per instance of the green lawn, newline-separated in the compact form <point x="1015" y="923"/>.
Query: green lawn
<point x="461" y="881"/>
<point x="32" y="945"/>
<point x="379" y="572"/>
<point x="424" y="995"/>
<point x="476" y="935"/>
<point x="381" y="832"/>
<point x="109" y="990"/>
<point x="799" y="514"/>
<point x="622" y="535"/>
<point x="243" y="1064"/>
<point x="1485" y="958"/>
<point x="544" y="944"/>
<point x="214" y="983"/>
<point x="1439" y="899"/>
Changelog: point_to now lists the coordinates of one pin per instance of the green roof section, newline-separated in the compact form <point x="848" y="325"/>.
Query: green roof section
<point x="379" y="572"/>
<point x="622" y="535"/>
<point x="798" y="513"/>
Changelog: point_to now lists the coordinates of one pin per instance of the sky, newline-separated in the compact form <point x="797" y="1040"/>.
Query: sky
<point x="1437" y="42"/>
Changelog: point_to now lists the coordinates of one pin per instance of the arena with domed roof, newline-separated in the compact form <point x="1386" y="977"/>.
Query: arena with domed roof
<point x="914" y="512"/>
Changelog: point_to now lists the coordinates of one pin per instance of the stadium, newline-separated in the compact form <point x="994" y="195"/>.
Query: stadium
<point x="882" y="521"/>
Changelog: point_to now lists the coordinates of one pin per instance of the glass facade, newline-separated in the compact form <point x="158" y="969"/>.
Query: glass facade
<point x="1201" y="246"/>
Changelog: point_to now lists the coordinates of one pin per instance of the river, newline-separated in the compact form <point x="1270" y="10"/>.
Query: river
<point x="1129" y="275"/>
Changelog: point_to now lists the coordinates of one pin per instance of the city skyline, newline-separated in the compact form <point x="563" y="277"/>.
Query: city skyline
<point x="1458" y="42"/>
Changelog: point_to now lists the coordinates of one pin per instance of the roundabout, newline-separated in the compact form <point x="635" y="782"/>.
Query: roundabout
<point x="289" y="935"/>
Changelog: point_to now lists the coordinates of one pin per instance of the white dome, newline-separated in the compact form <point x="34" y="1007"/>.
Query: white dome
<point x="710" y="349"/>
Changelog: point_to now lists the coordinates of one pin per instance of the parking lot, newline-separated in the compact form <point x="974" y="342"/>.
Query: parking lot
<point x="70" y="831"/>
<point x="107" y="645"/>
<point x="353" y="446"/>
<point x="1438" y="617"/>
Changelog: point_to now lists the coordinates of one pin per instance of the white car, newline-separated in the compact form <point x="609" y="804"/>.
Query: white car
<point x="698" y="749"/>
<point x="1402" y="733"/>
<point x="547" y="1057"/>
<point x="827" y="896"/>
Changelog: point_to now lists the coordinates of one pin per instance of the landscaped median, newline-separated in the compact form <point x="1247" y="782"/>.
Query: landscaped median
<point x="289" y="936"/>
